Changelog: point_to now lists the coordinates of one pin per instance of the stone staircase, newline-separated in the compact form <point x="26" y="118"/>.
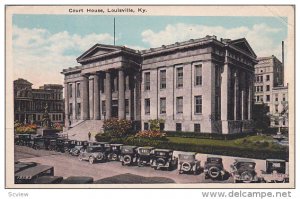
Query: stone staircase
<point x="81" y="130"/>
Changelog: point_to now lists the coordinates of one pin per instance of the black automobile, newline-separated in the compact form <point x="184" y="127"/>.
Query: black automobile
<point x="275" y="171"/>
<point x="49" y="180"/>
<point x="41" y="143"/>
<point x="144" y="156"/>
<point x="29" y="175"/>
<point x="163" y="158"/>
<point x="187" y="163"/>
<point x="115" y="152"/>
<point x="60" y="144"/>
<point x="243" y="170"/>
<point x="78" y="180"/>
<point x="69" y="144"/>
<point x="213" y="168"/>
<point x="24" y="139"/>
<point x="52" y="144"/>
<point x="20" y="166"/>
<point x="79" y="146"/>
<point x="128" y="155"/>
<point x="93" y="154"/>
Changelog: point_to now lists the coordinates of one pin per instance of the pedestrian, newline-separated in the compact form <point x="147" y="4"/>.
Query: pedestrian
<point x="89" y="135"/>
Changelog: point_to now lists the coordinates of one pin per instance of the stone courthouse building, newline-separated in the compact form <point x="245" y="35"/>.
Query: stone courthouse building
<point x="200" y="85"/>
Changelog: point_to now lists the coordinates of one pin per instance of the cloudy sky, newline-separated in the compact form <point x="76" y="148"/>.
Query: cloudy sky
<point x="43" y="45"/>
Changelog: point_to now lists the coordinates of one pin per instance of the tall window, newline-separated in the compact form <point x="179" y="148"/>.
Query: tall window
<point x="268" y="88"/>
<point x="283" y="97"/>
<point x="179" y="104"/>
<point x="147" y="81"/>
<point x="103" y="107"/>
<point x="198" y="104"/>
<point x="162" y="105"/>
<point x="78" y="89"/>
<point x="70" y="90"/>
<point x="267" y="98"/>
<point x="78" y="109"/>
<point x="268" y="78"/>
<point x="178" y="127"/>
<point x="146" y="126"/>
<point x="276" y="108"/>
<point x="147" y="106"/>
<point x="198" y="75"/>
<point x="71" y="109"/>
<point x="115" y="84"/>
<point x="276" y="97"/>
<point x="163" y="83"/>
<point x="126" y="106"/>
<point x="197" y="128"/>
<point x="179" y="77"/>
<point x="161" y="126"/>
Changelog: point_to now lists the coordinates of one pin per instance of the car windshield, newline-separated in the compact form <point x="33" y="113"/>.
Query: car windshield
<point x="127" y="150"/>
<point x="94" y="149"/>
<point x="214" y="160"/>
<point x="145" y="151"/>
<point x="276" y="164"/>
<point x="249" y="165"/>
<point x="186" y="157"/>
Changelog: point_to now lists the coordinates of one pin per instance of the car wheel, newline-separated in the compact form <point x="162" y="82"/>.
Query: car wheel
<point x="246" y="176"/>
<point x="214" y="172"/>
<point x="91" y="160"/>
<point x="127" y="159"/>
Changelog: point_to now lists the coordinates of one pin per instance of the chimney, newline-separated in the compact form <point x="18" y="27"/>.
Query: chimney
<point x="282" y="59"/>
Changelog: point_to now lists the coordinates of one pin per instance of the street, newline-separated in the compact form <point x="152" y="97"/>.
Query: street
<point x="66" y="165"/>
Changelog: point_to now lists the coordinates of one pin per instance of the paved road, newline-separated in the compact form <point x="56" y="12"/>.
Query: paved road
<point x="66" y="165"/>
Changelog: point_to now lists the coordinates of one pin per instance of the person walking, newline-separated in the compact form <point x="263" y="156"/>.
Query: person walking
<point x="89" y="135"/>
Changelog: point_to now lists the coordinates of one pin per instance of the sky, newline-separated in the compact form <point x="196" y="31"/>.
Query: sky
<point x="43" y="45"/>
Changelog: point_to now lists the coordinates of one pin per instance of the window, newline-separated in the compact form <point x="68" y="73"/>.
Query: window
<point x="261" y="79"/>
<point x="163" y="79"/>
<point x="179" y="77"/>
<point x="257" y="78"/>
<point x="147" y="106"/>
<point x="283" y="122"/>
<point x="283" y="97"/>
<point x="261" y="88"/>
<point x="198" y="104"/>
<point x="276" y="108"/>
<point x="115" y="84"/>
<point x="70" y="90"/>
<point x="179" y="104"/>
<point x="71" y="109"/>
<point x="59" y="117"/>
<point x="78" y="109"/>
<point x="178" y="126"/>
<point x="198" y="75"/>
<point x="146" y="126"/>
<point x="78" y="89"/>
<point x="268" y="88"/>
<point x="197" y="128"/>
<point x="276" y="97"/>
<point x="147" y="81"/>
<point x="126" y="106"/>
<point x="161" y="126"/>
<point x="162" y="105"/>
<point x="103" y="107"/>
<point x="276" y="122"/>
<point x="268" y="78"/>
<point x="267" y="98"/>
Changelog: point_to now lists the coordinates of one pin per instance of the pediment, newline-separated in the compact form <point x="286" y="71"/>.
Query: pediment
<point x="97" y="50"/>
<point x="243" y="45"/>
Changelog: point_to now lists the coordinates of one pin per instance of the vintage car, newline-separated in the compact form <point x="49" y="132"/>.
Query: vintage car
<point x="29" y="175"/>
<point x="24" y="139"/>
<point x="49" y="180"/>
<point x="93" y="154"/>
<point x="163" y="158"/>
<point x="115" y="152"/>
<point x="243" y="170"/>
<point x="70" y="144"/>
<point x="187" y="163"/>
<point x="79" y="146"/>
<point x="78" y="180"/>
<point x="41" y="143"/>
<point x="213" y="168"/>
<point x="128" y="155"/>
<point x="52" y="144"/>
<point x="20" y="166"/>
<point x="60" y="144"/>
<point x="275" y="171"/>
<point x="144" y="156"/>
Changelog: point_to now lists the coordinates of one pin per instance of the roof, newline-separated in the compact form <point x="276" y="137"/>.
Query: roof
<point x="146" y="147"/>
<point x="164" y="150"/>
<point x="22" y="81"/>
<point x="128" y="146"/>
<point x="78" y="180"/>
<point x="116" y="144"/>
<point x="48" y="179"/>
<point x="32" y="171"/>
<point x="187" y="153"/>
<point x="244" y="160"/>
<point x="275" y="160"/>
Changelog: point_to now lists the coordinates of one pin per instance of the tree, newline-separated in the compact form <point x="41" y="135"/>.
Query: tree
<point x="260" y="117"/>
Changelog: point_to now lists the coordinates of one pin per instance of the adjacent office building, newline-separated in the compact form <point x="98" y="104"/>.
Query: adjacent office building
<point x="29" y="103"/>
<point x="200" y="85"/>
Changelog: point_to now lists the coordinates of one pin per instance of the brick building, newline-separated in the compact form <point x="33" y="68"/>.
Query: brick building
<point x="29" y="103"/>
<point x="200" y="85"/>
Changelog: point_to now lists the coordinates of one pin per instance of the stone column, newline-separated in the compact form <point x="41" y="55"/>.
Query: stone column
<point x="91" y="97"/>
<point x="121" y="105"/>
<point x="250" y="100"/>
<point x="225" y="84"/>
<point x="108" y="95"/>
<point x="243" y="96"/>
<point x="66" y="93"/>
<point x="74" y="101"/>
<point x="236" y="96"/>
<point x="96" y="98"/>
<point x="84" y="98"/>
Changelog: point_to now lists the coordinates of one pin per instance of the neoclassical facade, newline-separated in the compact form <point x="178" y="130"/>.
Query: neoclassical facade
<point x="200" y="85"/>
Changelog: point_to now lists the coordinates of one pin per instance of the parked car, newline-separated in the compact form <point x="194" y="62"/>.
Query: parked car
<point x="144" y="156"/>
<point x="243" y="170"/>
<point x="79" y="146"/>
<point x="213" y="167"/>
<point x="60" y="144"/>
<point x="70" y="144"/>
<point x="275" y="171"/>
<point x="20" y="166"/>
<point x="52" y="144"/>
<point x="23" y="139"/>
<point x="93" y="154"/>
<point x="115" y="152"/>
<point x="78" y="180"/>
<point x="41" y="143"/>
<point x="187" y="163"/>
<point x="128" y="155"/>
<point x="163" y="158"/>
<point x="29" y="175"/>
<point x="49" y="180"/>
